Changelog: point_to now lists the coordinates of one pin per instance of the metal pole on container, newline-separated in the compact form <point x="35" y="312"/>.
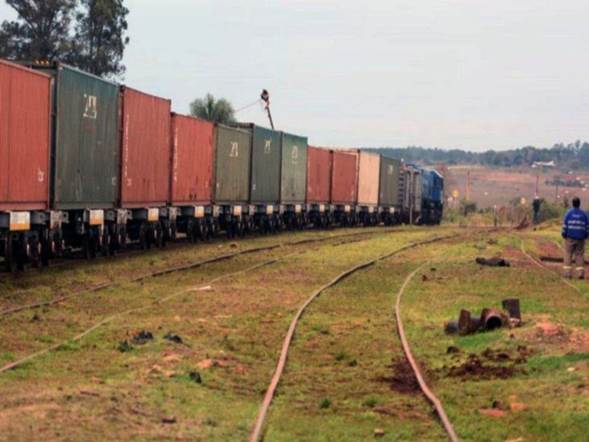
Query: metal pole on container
<point x="265" y="96"/>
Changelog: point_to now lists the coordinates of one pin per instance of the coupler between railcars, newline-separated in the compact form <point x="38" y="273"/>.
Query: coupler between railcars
<point x="115" y="230"/>
<point x="390" y="216"/>
<point x="237" y="220"/>
<point x="266" y="218"/>
<point x="144" y="226"/>
<point x="368" y="215"/>
<point x="320" y="215"/>
<point x="294" y="216"/>
<point x="198" y="223"/>
<point x="345" y="215"/>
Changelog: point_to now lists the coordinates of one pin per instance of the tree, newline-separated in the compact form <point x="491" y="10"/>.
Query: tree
<point x="88" y="34"/>
<point x="41" y="31"/>
<point x="100" y="38"/>
<point x="211" y="109"/>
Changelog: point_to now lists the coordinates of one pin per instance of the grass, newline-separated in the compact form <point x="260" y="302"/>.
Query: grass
<point x="345" y="377"/>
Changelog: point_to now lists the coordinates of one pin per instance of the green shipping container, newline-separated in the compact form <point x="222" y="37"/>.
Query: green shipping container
<point x="265" y="183"/>
<point x="391" y="192"/>
<point x="86" y="140"/>
<point x="293" y="183"/>
<point x="233" y="149"/>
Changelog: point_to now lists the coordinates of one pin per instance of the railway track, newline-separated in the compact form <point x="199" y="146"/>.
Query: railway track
<point x="176" y="294"/>
<point x="543" y="266"/>
<point x="427" y="392"/>
<point x="189" y="266"/>
<point x="260" y="421"/>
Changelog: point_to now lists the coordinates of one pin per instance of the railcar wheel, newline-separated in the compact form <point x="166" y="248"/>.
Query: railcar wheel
<point x="35" y="252"/>
<point x="143" y="237"/>
<point x="10" y="255"/>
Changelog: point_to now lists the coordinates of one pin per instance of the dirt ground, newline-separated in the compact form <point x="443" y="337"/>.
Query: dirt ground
<point x="499" y="186"/>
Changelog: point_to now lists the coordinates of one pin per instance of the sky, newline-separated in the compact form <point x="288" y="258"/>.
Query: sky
<point x="473" y="74"/>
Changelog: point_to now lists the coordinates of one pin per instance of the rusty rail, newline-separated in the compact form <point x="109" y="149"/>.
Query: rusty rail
<point x="173" y="269"/>
<point x="110" y="318"/>
<point x="409" y="355"/>
<point x="545" y="267"/>
<point x="258" y="427"/>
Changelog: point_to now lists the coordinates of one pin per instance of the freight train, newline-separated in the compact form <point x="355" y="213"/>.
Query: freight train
<point x="91" y="165"/>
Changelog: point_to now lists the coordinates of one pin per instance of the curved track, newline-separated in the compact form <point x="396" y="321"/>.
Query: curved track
<point x="429" y="394"/>
<point x="257" y="430"/>
<point x="179" y="268"/>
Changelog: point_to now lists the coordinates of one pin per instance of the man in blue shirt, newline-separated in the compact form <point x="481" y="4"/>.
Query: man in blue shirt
<point x="575" y="229"/>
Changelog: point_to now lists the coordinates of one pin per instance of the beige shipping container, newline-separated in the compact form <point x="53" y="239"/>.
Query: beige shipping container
<point x="368" y="178"/>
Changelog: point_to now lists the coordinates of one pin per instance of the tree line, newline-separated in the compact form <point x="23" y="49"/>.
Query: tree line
<point x="570" y="156"/>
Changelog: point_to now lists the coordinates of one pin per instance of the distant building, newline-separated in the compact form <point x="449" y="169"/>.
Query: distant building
<point x="543" y="164"/>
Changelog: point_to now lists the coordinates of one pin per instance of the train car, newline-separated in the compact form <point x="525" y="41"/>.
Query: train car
<point x="231" y="193"/>
<point x="85" y="159"/>
<point x="432" y="197"/>
<point x="412" y="201"/>
<point x="391" y="190"/>
<point x="293" y="180"/>
<point x="344" y="186"/>
<point x="146" y="166"/>
<point x="368" y="188"/>
<point x="319" y="165"/>
<point x="266" y="159"/>
<point x="191" y="187"/>
<point x="27" y="232"/>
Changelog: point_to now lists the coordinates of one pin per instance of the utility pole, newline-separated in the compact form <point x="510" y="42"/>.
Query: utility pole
<point x="467" y="193"/>
<point x="265" y="96"/>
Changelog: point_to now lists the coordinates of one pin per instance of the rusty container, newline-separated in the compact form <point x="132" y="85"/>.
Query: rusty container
<point x="344" y="177"/>
<point x="193" y="145"/>
<point x="233" y="148"/>
<point x="368" y="178"/>
<point x="25" y="115"/>
<point x="319" y="175"/>
<point x="146" y="150"/>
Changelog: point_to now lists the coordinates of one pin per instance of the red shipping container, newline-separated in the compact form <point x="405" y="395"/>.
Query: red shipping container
<point x="25" y="116"/>
<point x="344" y="177"/>
<point x="146" y="150"/>
<point x="318" y="175"/>
<point x="193" y="145"/>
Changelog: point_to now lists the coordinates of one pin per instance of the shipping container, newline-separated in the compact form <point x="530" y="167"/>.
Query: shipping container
<point x="25" y="115"/>
<point x="318" y="175"/>
<point x="86" y="142"/>
<point x="293" y="185"/>
<point x="266" y="160"/>
<point x="344" y="177"/>
<point x="232" y="165"/>
<point x="413" y="188"/>
<point x="368" y="178"/>
<point x="146" y="161"/>
<point x="391" y="183"/>
<point x="193" y="146"/>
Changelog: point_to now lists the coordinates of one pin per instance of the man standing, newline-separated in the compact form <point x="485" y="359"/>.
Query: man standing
<point x="575" y="228"/>
<point x="536" y="207"/>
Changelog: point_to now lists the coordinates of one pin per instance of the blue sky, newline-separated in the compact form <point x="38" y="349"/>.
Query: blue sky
<point x="449" y="73"/>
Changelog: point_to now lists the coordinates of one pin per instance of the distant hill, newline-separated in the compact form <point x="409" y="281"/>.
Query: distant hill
<point x="570" y="156"/>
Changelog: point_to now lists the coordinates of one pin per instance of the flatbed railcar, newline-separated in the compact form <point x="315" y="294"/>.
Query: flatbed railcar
<point x="89" y="164"/>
